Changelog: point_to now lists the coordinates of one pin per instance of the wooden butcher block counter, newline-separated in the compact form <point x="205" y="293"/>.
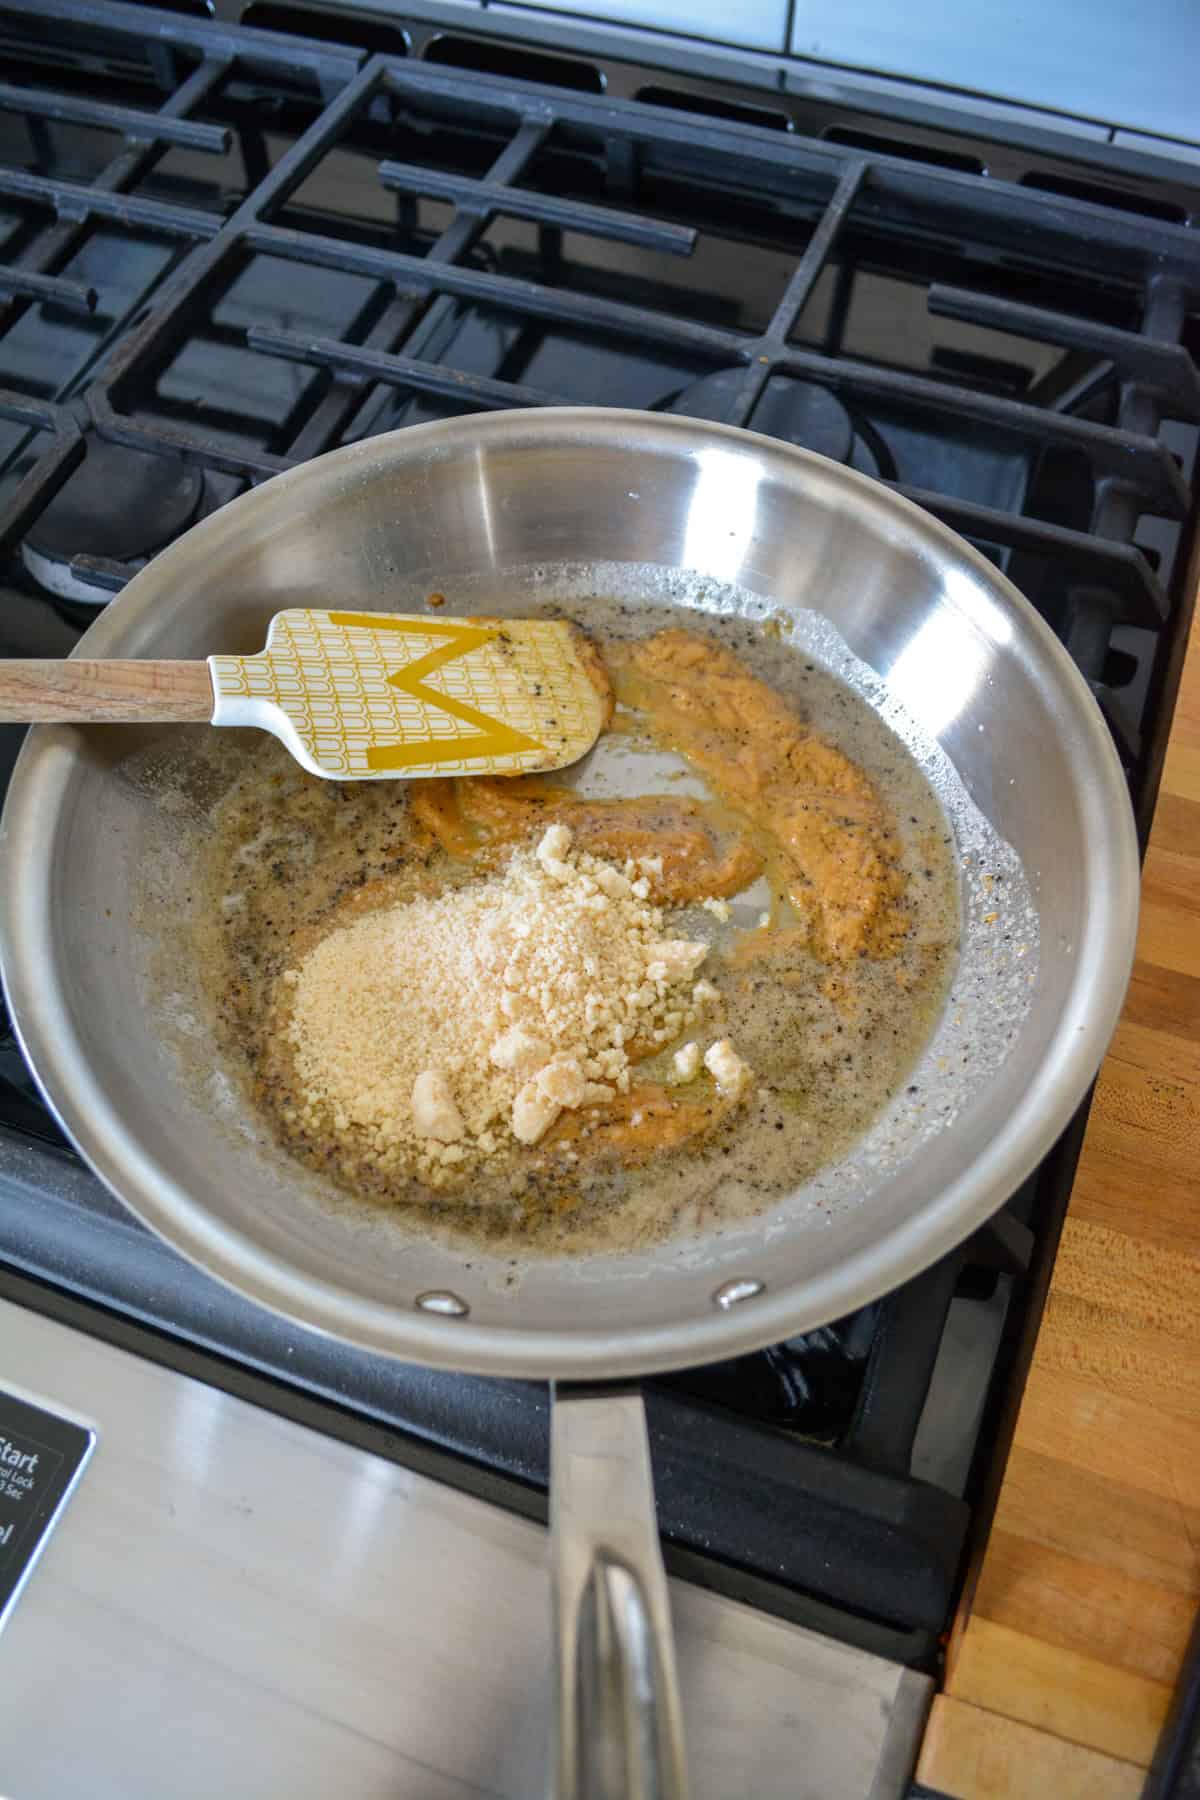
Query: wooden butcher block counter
<point x="1063" y="1661"/>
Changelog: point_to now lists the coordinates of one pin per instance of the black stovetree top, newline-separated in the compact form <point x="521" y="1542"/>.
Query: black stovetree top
<point x="226" y="249"/>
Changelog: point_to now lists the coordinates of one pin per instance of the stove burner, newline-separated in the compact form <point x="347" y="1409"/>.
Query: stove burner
<point x="120" y="506"/>
<point x="799" y="412"/>
<point x="806" y="415"/>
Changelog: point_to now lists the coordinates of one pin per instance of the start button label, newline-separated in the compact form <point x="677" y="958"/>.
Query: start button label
<point x="42" y="1456"/>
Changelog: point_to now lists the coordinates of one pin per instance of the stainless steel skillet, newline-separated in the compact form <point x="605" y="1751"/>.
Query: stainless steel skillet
<point x="487" y="506"/>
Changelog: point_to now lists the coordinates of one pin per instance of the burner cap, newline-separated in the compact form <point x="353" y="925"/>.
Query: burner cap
<point x="807" y="415"/>
<point x="121" y="504"/>
<point x="798" y="411"/>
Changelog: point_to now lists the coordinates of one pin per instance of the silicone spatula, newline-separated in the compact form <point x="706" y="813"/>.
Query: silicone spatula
<point x="356" y="696"/>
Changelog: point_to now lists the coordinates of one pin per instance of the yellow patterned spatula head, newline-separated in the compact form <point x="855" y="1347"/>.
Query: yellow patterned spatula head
<point x="367" y="696"/>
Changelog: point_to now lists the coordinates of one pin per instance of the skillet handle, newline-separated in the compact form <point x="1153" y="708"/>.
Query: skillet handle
<point x="619" y="1735"/>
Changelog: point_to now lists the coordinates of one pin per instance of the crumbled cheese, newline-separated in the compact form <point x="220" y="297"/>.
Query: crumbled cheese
<point x="533" y="1113"/>
<point x="519" y="1050"/>
<point x="727" y="1069"/>
<point x="677" y="959"/>
<point x="562" y="1082"/>
<point x="434" y="1113"/>
<point x="611" y="882"/>
<point x="686" y="1061"/>
<point x="718" y="908"/>
<point x="555" y="843"/>
<point x="705" y="994"/>
<point x="461" y="1022"/>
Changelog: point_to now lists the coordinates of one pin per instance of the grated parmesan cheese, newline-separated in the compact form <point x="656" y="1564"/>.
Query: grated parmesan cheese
<point x="440" y="1030"/>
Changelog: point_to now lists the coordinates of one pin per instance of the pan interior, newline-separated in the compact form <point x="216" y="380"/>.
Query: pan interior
<point x="689" y="1194"/>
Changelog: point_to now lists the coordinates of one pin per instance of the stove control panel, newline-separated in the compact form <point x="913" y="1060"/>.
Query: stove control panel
<point x="42" y="1456"/>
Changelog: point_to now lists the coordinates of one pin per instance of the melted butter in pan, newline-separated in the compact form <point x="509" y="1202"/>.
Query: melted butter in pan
<point x="767" y="783"/>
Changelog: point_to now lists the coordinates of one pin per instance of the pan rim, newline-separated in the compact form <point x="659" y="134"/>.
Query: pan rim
<point x="78" y="1101"/>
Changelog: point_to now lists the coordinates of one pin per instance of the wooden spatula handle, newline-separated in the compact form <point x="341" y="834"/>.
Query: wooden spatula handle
<point x="34" y="692"/>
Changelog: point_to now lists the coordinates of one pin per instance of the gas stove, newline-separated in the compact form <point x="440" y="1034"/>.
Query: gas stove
<point x="225" y="248"/>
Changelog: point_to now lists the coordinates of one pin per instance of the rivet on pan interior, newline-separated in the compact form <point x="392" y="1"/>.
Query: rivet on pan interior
<point x="743" y="1288"/>
<point x="440" y="1300"/>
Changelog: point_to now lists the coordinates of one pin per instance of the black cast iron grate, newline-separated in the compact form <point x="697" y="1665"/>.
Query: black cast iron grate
<point x="461" y="270"/>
